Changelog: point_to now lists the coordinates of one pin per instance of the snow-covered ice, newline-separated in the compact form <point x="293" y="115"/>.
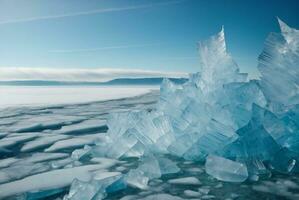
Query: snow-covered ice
<point x="73" y="142"/>
<point x="27" y="167"/>
<point x="42" y="142"/>
<point x="22" y="96"/>
<point x="50" y="180"/>
<point x="185" y="181"/>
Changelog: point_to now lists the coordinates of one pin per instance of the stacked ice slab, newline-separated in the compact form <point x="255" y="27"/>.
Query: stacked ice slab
<point x="191" y="120"/>
<point x="241" y="129"/>
<point x="219" y="112"/>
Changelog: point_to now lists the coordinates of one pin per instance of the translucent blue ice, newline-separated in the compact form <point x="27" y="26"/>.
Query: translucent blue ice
<point x="243" y="129"/>
<point x="225" y="169"/>
<point x="278" y="65"/>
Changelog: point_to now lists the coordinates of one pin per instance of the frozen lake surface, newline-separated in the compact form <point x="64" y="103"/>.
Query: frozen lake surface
<point x="36" y="161"/>
<point x="52" y="95"/>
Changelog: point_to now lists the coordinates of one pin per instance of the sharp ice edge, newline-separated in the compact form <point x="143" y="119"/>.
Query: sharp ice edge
<point x="241" y="129"/>
<point x="226" y="170"/>
<point x="278" y="65"/>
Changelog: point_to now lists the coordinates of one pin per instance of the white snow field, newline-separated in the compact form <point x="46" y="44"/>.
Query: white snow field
<point x="47" y="95"/>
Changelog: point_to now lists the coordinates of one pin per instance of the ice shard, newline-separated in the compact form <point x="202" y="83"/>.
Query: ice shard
<point x="226" y="170"/>
<point x="94" y="189"/>
<point x="217" y="66"/>
<point x="278" y="65"/>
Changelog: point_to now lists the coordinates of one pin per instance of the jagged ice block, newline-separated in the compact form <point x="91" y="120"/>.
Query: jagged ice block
<point x="248" y="127"/>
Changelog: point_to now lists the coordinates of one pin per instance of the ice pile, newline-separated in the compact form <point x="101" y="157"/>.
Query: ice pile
<point x="242" y="129"/>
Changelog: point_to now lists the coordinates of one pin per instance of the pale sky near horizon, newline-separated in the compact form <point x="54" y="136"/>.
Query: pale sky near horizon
<point x="150" y="35"/>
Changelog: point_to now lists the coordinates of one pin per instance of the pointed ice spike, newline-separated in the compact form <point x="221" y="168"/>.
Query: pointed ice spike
<point x="283" y="26"/>
<point x="278" y="65"/>
<point x="214" y="47"/>
<point x="221" y="36"/>
<point x="217" y="66"/>
<point x="288" y="33"/>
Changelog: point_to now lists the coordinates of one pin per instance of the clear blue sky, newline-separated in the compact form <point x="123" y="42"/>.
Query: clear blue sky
<point x="138" y="34"/>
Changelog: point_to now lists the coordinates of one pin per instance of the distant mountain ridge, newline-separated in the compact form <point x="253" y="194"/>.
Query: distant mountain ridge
<point x="119" y="81"/>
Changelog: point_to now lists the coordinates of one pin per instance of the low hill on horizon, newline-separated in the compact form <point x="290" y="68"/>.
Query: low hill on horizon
<point x="118" y="81"/>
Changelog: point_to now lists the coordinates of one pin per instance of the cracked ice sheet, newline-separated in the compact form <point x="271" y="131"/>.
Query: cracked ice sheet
<point x="20" y="171"/>
<point x="87" y="126"/>
<point x="74" y="142"/>
<point x="43" y="122"/>
<point x="42" y="142"/>
<point x="10" y="141"/>
<point x="41" y="157"/>
<point x="19" y="168"/>
<point x="281" y="188"/>
<point x="55" y="179"/>
<point x="34" y="158"/>
<point x="7" y="162"/>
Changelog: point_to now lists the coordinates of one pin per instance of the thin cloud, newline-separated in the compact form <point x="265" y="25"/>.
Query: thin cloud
<point x="182" y="58"/>
<point x="102" y="48"/>
<point x="86" y="75"/>
<point x="92" y="12"/>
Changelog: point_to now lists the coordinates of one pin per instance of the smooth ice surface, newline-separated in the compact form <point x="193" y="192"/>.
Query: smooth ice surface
<point x="185" y="181"/>
<point x="191" y="193"/>
<point x="226" y="170"/>
<point x="162" y="196"/>
<point x="137" y="179"/>
<point x="22" y="96"/>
